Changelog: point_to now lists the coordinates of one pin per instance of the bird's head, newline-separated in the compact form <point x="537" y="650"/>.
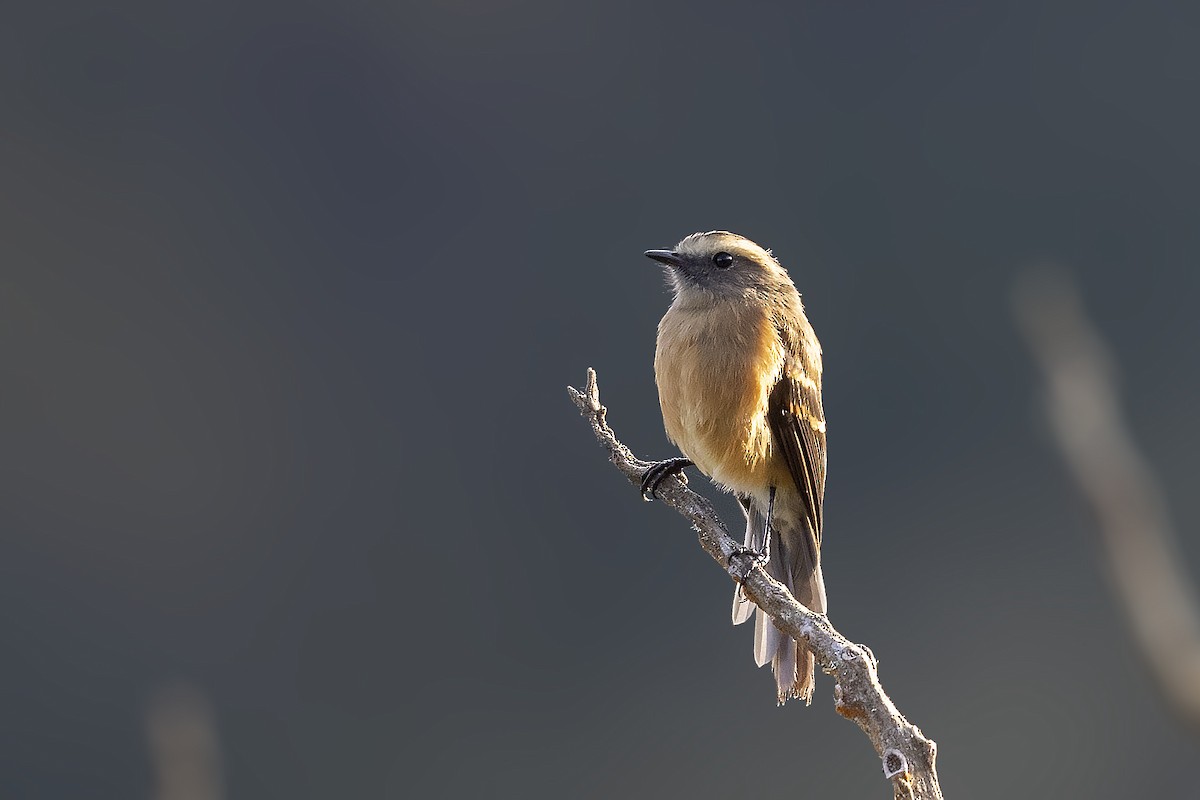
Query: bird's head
<point x="722" y="265"/>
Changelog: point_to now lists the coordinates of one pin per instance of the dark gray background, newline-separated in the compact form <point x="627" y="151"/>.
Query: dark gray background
<point x="289" y="296"/>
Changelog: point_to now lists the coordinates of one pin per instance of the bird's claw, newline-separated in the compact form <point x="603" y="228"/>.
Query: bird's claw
<point x="759" y="558"/>
<point x="660" y="471"/>
<point x="742" y="562"/>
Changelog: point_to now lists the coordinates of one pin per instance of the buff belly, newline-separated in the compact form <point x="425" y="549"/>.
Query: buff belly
<point x="715" y="368"/>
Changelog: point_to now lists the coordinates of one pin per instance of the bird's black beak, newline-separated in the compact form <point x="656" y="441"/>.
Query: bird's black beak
<point x="668" y="257"/>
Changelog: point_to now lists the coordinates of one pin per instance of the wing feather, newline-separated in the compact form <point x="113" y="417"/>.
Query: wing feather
<point x="798" y="428"/>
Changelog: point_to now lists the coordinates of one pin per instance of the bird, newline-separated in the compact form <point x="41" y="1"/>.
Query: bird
<point x="738" y="370"/>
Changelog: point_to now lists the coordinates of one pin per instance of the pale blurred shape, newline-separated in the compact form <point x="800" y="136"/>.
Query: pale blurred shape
<point x="183" y="744"/>
<point x="1084" y="411"/>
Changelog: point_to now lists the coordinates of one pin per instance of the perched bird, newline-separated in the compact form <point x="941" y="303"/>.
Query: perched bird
<point x="738" y="369"/>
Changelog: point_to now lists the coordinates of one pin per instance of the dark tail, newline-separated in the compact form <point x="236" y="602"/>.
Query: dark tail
<point x="796" y="563"/>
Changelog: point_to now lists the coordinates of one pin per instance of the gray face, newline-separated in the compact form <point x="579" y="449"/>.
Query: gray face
<point x="722" y="263"/>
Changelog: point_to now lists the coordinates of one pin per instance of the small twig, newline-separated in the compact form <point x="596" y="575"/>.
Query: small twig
<point x="907" y="757"/>
<point x="1084" y="410"/>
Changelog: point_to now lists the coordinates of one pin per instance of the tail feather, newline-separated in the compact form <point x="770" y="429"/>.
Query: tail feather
<point x="743" y="609"/>
<point x="794" y="562"/>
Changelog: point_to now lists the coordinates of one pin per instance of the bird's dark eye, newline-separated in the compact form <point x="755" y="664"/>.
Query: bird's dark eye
<point x="723" y="260"/>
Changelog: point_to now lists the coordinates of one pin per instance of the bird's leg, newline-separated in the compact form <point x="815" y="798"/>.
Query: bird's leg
<point x="660" y="471"/>
<point x="765" y="554"/>
<point x="762" y="556"/>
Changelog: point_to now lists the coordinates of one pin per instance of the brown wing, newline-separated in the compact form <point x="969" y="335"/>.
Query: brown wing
<point x="798" y="427"/>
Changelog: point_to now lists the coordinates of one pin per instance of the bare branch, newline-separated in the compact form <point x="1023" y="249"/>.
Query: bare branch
<point x="907" y="757"/>
<point x="1085" y="417"/>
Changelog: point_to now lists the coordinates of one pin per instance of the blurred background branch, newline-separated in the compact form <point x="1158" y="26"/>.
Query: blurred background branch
<point x="183" y="744"/>
<point x="1084" y="411"/>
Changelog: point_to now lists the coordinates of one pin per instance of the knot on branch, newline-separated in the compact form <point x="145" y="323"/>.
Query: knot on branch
<point x="894" y="763"/>
<point x="895" y="768"/>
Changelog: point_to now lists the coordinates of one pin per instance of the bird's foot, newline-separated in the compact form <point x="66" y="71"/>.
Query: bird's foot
<point x="660" y="471"/>
<point x="758" y="558"/>
<point x="743" y="560"/>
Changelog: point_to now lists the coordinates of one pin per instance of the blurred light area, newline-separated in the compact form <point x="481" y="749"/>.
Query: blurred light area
<point x="184" y="744"/>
